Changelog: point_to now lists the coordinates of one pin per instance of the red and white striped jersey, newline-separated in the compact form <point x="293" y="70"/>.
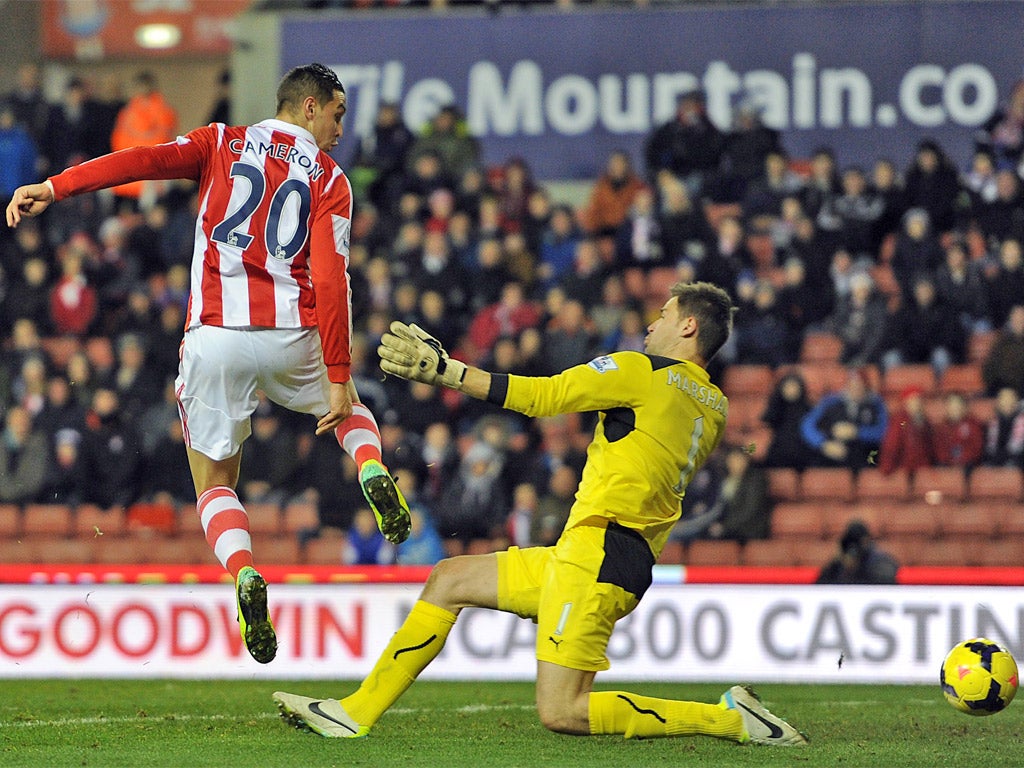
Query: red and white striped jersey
<point x="272" y="234"/>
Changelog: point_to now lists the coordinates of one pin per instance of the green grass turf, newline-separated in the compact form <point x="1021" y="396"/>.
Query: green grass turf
<point x="109" y="723"/>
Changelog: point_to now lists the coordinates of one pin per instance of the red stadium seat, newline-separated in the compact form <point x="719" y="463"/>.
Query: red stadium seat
<point x="264" y="518"/>
<point x="748" y="380"/>
<point x="745" y="411"/>
<point x="815" y="553"/>
<point x="818" y="347"/>
<point x="829" y="484"/>
<point x="325" y="550"/>
<point x="950" y="552"/>
<point x="822" y="378"/>
<point x="875" y="515"/>
<point x="71" y="551"/>
<point x="948" y="481"/>
<point x="1011" y="518"/>
<point x="282" y="550"/>
<point x="872" y="485"/>
<point x="771" y="552"/>
<point x="712" y="552"/>
<point x="798" y="519"/>
<point x="965" y="379"/>
<point x="47" y="520"/>
<point x="972" y="520"/>
<point x="999" y="553"/>
<point x="914" y="520"/>
<point x="673" y="553"/>
<point x="94" y="521"/>
<point x="784" y="484"/>
<point x="300" y="516"/>
<point x="126" y="550"/>
<point x="10" y="521"/>
<point x="1000" y="483"/>
<point x="900" y="377"/>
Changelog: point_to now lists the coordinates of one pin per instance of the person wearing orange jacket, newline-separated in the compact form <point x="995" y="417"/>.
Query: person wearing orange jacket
<point x="146" y="120"/>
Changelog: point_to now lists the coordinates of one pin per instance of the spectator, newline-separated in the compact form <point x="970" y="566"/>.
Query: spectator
<point x="763" y="194"/>
<point x="220" y="112"/>
<point x="702" y="505"/>
<point x="111" y="453"/>
<point x="269" y="459"/>
<point x="1004" y="433"/>
<point x="1005" y="284"/>
<point x="859" y="560"/>
<point x="18" y="153"/>
<point x="474" y="503"/>
<point x="959" y="439"/>
<point x="762" y="334"/>
<point x="73" y="301"/>
<point x="508" y="317"/>
<point x="917" y="251"/>
<point x="1003" y="133"/>
<point x="137" y="386"/>
<point x="558" y="243"/>
<point x="166" y="473"/>
<point x="747" y="144"/>
<point x="513" y="189"/>
<point x="909" y="441"/>
<point x="845" y="428"/>
<point x="435" y="270"/>
<point x="522" y="515"/>
<point x="28" y="102"/>
<point x="822" y="184"/>
<point x="689" y="145"/>
<point x="584" y="283"/>
<point x="787" y="406"/>
<point x="860" y="321"/>
<point x="1004" y="365"/>
<point x="440" y="456"/>
<point x="568" y="339"/>
<point x="24" y="458"/>
<point x="382" y="154"/>
<point x="553" y="505"/>
<point x="29" y="296"/>
<point x="65" y="474"/>
<point x="747" y="507"/>
<point x="146" y="120"/>
<point x="612" y="196"/>
<point x="71" y="129"/>
<point x="886" y="183"/>
<point x="980" y="179"/>
<point x="447" y="136"/>
<point x="364" y="544"/>
<point x="1002" y="216"/>
<point x="857" y="210"/>
<point x="799" y="305"/>
<point x="684" y="229"/>
<point x="638" y="240"/>
<point x="960" y="287"/>
<point x="933" y="183"/>
<point x="925" y="332"/>
<point x="727" y="255"/>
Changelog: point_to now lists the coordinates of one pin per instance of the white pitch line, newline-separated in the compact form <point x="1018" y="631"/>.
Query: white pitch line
<point x="72" y="721"/>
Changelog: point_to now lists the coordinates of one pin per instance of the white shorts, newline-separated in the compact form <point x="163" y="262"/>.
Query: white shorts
<point x="221" y="369"/>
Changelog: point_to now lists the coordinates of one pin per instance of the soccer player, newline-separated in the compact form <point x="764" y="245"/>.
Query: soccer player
<point x="659" y="418"/>
<point x="269" y="308"/>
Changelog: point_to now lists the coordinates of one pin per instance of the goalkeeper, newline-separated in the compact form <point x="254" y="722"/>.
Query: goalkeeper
<point x="659" y="419"/>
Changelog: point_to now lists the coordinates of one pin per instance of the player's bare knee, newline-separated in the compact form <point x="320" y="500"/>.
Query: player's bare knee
<point x="444" y="585"/>
<point x="558" y="718"/>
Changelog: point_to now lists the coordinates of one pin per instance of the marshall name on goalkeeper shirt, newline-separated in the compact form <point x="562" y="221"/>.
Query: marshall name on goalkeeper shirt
<point x="659" y="419"/>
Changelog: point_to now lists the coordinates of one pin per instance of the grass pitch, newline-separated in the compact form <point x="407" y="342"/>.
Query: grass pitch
<point x="180" y="724"/>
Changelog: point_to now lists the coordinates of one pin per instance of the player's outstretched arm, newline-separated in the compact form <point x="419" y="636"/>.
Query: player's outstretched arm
<point x="28" y="201"/>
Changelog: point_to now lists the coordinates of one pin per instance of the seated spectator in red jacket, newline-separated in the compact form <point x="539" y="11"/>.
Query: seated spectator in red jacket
<point x="959" y="439"/>
<point x="907" y="444"/>
<point x="512" y="313"/>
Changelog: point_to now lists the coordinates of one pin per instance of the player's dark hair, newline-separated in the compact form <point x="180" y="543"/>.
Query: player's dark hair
<point x="314" y="80"/>
<point x="712" y="308"/>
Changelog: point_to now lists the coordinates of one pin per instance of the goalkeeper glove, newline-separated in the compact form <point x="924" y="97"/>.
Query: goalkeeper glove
<point x="412" y="353"/>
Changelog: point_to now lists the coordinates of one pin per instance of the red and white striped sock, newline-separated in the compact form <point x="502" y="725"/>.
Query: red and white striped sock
<point x="227" y="527"/>
<point x="359" y="436"/>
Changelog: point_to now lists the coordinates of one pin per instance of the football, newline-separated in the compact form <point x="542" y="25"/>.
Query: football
<point x="979" y="677"/>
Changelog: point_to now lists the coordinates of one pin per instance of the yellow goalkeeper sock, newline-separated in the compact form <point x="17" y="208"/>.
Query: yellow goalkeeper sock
<point x="416" y="643"/>
<point x="644" y="717"/>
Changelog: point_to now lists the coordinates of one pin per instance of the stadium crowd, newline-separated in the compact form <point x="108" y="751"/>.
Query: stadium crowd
<point x="901" y="267"/>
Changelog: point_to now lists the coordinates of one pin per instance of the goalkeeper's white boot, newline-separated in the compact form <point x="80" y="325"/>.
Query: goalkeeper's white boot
<point x="386" y="501"/>
<point x="324" y="716"/>
<point x="759" y="725"/>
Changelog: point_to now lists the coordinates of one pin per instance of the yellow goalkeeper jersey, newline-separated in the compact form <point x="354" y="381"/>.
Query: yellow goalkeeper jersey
<point x="659" y="420"/>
